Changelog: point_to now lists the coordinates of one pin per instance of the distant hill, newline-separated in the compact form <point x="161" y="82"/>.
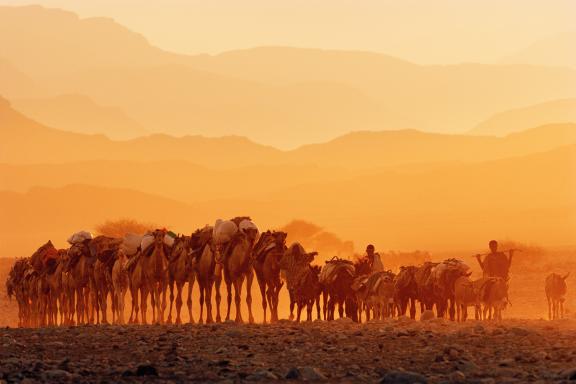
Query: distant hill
<point x="78" y="113"/>
<point x="23" y="140"/>
<point x="280" y="96"/>
<point x="373" y="149"/>
<point x="519" y="119"/>
<point x="453" y="208"/>
<point x="555" y="50"/>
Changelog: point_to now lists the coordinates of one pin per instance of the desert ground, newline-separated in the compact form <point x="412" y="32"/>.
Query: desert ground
<point x="391" y="351"/>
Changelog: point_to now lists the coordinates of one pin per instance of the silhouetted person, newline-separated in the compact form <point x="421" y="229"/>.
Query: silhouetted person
<point x="496" y="264"/>
<point x="374" y="259"/>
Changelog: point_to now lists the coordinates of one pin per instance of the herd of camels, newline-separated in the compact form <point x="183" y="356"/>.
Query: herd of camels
<point x="74" y="286"/>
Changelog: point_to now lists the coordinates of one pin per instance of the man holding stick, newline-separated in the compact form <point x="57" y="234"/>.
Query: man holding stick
<point x="495" y="263"/>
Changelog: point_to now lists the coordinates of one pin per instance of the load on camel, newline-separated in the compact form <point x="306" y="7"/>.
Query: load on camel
<point x="301" y="280"/>
<point x="233" y="242"/>
<point x="267" y="254"/>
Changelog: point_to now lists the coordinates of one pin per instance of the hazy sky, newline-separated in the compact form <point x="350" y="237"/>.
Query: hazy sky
<point x="425" y="31"/>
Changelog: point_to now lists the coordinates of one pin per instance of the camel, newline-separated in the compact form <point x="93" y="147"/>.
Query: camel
<point x="136" y="283"/>
<point x="155" y="273"/>
<point x="406" y="290"/>
<point x="15" y="287"/>
<point x="555" y="288"/>
<point x="51" y="289"/>
<point x="102" y="286"/>
<point x="105" y="250"/>
<point x="302" y="280"/>
<point x="79" y="279"/>
<point x="267" y="253"/>
<point x="204" y="266"/>
<point x="180" y="272"/>
<point x="119" y="285"/>
<point x="237" y="267"/>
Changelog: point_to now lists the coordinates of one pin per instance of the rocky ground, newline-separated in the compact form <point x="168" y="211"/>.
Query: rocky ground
<point x="394" y="351"/>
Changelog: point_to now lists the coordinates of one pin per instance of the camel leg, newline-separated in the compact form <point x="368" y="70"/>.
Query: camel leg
<point x="218" y="282"/>
<point x="262" y="286"/>
<point x="298" y="311"/>
<point x="164" y="290"/>
<point x="561" y="309"/>
<point x="228" y="299"/>
<point x="114" y="301"/>
<point x="171" y="286"/>
<point x="317" y="299"/>
<point x="91" y="303"/>
<point x="291" y="295"/>
<point x="202" y="292"/>
<point x="179" y="288"/>
<point x="104" y="305"/>
<point x="331" y="308"/>
<point x="309" y="307"/>
<point x="269" y="298"/>
<point x="208" y="289"/>
<point x="135" y="308"/>
<point x="189" y="300"/>
<point x="237" y="299"/>
<point x="452" y="309"/>
<point x="249" y="279"/>
<point x="152" y="302"/>
<point x="79" y="306"/>
<point x="341" y="309"/>
<point x="143" y="304"/>
<point x="119" y="306"/>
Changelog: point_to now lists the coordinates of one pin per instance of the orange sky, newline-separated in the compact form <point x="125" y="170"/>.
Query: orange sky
<point x="440" y="31"/>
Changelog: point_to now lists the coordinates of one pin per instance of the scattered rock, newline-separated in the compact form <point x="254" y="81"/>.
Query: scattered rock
<point x="146" y="370"/>
<point x="457" y="377"/>
<point x="262" y="375"/>
<point x="403" y="377"/>
<point x="56" y="375"/>
<point x="305" y="373"/>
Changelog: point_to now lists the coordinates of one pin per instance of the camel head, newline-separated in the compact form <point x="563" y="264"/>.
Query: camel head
<point x="566" y="276"/>
<point x="159" y="235"/>
<point x="180" y="247"/>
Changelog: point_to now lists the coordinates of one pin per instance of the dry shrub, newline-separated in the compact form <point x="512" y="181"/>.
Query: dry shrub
<point x="121" y="227"/>
<point x="528" y="257"/>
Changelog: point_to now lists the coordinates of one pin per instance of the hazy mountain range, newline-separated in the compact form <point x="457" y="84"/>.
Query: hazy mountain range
<point x="97" y="124"/>
<point x="274" y="95"/>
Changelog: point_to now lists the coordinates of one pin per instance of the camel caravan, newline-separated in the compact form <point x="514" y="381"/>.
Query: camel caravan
<point x="74" y="286"/>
